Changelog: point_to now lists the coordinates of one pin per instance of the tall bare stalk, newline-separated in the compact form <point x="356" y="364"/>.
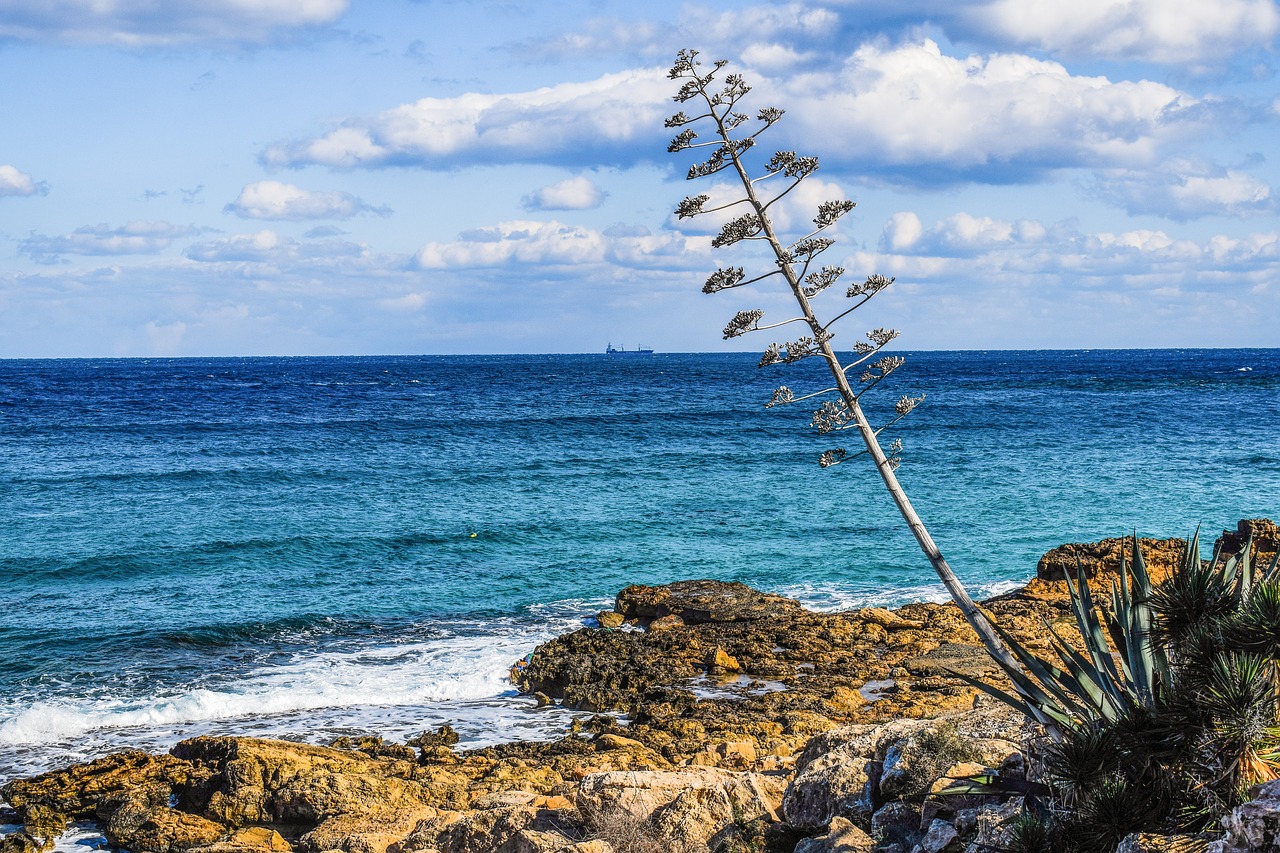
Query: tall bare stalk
<point x="718" y="105"/>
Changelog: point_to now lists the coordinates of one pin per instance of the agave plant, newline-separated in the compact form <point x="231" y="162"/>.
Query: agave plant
<point x="1171" y="710"/>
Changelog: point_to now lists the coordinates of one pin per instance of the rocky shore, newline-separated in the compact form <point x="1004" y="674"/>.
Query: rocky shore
<point x="717" y="717"/>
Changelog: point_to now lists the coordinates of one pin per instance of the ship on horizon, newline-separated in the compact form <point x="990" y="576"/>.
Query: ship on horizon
<point x="639" y="350"/>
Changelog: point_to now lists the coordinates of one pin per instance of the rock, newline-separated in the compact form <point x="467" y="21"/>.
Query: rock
<point x="1103" y="558"/>
<point x="253" y="839"/>
<point x="374" y="831"/>
<point x="20" y="842"/>
<point x="443" y="736"/>
<point x="701" y="601"/>
<point x="942" y="837"/>
<point x="718" y="661"/>
<point x="485" y="830"/>
<point x="76" y="791"/>
<point x="159" y="829"/>
<point x="533" y="841"/>
<point x="1266" y="540"/>
<point x="949" y="658"/>
<point x="665" y="623"/>
<point x="994" y="826"/>
<point x="829" y="789"/>
<point x="1146" y="842"/>
<point x="244" y="781"/>
<point x="897" y="822"/>
<point x="711" y="796"/>
<point x="610" y="620"/>
<point x="42" y="824"/>
<point x="1253" y="826"/>
<point x="887" y="619"/>
<point x="841" y="837"/>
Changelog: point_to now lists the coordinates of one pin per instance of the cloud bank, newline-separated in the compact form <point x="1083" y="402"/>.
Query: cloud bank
<point x="145" y="23"/>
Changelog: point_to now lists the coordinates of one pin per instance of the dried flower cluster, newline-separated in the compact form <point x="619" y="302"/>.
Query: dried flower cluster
<point x="742" y="322"/>
<point x="781" y="396"/>
<point x="794" y="351"/>
<point x="830" y="416"/>
<point x="723" y="279"/>
<point x="832" y="457"/>
<point x="816" y="282"/>
<point x="743" y="228"/>
<point x="873" y="285"/>
<point x="881" y="368"/>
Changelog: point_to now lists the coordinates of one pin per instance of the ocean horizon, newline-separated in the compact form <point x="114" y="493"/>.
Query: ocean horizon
<point x="311" y="546"/>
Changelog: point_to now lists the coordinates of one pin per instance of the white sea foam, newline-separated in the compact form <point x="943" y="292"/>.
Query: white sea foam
<point x="839" y="597"/>
<point x="395" y="690"/>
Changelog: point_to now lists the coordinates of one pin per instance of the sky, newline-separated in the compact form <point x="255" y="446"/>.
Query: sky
<point x="330" y="177"/>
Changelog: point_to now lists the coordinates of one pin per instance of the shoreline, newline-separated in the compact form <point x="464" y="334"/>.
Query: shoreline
<point x="781" y="687"/>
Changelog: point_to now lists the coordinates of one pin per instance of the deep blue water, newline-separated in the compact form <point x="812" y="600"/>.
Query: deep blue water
<point x="305" y="546"/>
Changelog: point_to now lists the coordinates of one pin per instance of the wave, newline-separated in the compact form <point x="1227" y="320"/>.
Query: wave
<point x="466" y="663"/>
<point x="837" y="597"/>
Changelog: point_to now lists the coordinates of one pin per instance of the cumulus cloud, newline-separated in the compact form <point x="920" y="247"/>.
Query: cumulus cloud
<point x="999" y="118"/>
<point x="1169" y="31"/>
<point x="554" y="244"/>
<point x="552" y="124"/>
<point x="578" y="193"/>
<point x="138" y="23"/>
<point x="14" y="182"/>
<point x="276" y="200"/>
<point x="139" y="237"/>
<point x="1183" y="190"/>
<point x="908" y="113"/>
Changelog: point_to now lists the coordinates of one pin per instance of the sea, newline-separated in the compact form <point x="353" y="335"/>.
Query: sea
<point x="315" y="547"/>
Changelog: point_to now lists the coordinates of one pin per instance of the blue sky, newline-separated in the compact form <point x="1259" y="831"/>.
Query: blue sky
<point x="236" y="177"/>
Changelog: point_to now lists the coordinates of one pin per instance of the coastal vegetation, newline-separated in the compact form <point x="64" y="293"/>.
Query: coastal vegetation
<point x="1162" y="713"/>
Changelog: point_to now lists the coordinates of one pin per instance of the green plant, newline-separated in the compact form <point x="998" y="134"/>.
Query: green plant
<point x="1169" y="714"/>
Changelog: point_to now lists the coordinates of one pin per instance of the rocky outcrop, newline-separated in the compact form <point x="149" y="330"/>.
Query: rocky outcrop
<point x="1255" y="826"/>
<point x="1103" y="558"/>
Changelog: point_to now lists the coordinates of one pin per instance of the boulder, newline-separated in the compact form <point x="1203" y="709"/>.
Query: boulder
<point x="841" y="837"/>
<point x="245" y="781"/>
<point x="703" y="799"/>
<point x="253" y="839"/>
<point x="941" y="837"/>
<point x="76" y="791"/>
<point x="1253" y="826"/>
<point x="1266" y="539"/>
<point x="701" y="601"/>
<point x="897" y="822"/>
<point x="374" y="831"/>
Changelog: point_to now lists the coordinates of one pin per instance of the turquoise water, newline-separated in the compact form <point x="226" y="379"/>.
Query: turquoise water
<point x="312" y="546"/>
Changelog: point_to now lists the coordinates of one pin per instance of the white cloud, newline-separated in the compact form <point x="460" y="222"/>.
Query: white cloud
<point x="276" y="200"/>
<point x="1171" y="31"/>
<point x="968" y="247"/>
<point x="1182" y="190"/>
<point x="14" y="182"/>
<point x="139" y="237"/>
<point x="140" y="23"/>
<point x="267" y="246"/>
<point x="1000" y="116"/>
<point x="551" y="124"/>
<point x="554" y="244"/>
<point x="908" y="112"/>
<point x="579" y="193"/>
